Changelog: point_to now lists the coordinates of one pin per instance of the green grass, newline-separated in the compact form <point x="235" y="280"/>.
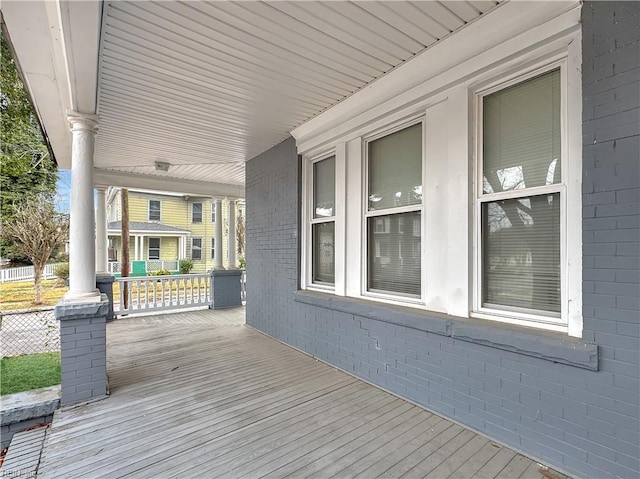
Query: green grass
<point x="33" y="371"/>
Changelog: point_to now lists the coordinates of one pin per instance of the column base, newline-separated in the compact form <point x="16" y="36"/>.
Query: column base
<point x="83" y="349"/>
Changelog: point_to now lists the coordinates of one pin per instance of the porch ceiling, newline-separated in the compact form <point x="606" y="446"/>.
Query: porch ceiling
<point x="206" y="86"/>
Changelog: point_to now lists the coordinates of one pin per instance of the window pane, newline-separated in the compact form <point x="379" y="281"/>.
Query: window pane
<point x="213" y="212"/>
<point x="395" y="169"/>
<point x="394" y="253"/>
<point x="324" y="187"/>
<point x="154" y="210"/>
<point x="521" y="135"/>
<point x="154" y="248"/>
<point x="196" y="248"/>
<point x="521" y="253"/>
<point x="196" y="213"/>
<point x="213" y="248"/>
<point x="323" y="240"/>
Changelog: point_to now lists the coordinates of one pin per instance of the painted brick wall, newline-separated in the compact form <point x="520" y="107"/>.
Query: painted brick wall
<point x="582" y="422"/>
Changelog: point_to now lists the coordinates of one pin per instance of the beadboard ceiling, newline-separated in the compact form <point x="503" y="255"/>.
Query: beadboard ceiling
<point x="206" y="86"/>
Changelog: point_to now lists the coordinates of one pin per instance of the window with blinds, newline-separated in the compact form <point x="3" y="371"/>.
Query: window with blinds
<point x="196" y="248"/>
<point x="196" y="212"/>
<point x="154" y="248"/>
<point x="520" y="212"/>
<point x="394" y="212"/>
<point x="323" y="231"/>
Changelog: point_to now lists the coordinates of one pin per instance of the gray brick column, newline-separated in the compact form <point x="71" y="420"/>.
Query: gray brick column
<point x="226" y="288"/>
<point x="83" y="348"/>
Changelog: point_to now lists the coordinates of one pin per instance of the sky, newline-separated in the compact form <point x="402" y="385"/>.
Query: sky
<point x="63" y="190"/>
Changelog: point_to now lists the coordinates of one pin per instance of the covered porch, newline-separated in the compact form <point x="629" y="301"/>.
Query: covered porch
<point x="200" y="394"/>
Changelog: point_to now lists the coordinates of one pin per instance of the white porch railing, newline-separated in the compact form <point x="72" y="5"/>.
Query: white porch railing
<point x="26" y="273"/>
<point x="161" y="293"/>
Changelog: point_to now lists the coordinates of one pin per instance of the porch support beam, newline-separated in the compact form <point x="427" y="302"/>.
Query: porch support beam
<point x="217" y="260"/>
<point x="84" y="310"/>
<point x="102" y="259"/>
<point x="231" y="239"/>
<point x="82" y="258"/>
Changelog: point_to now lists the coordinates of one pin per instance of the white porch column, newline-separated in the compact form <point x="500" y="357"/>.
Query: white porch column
<point x="102" y="255"/>
<point x="217" y="261"/>
<point x="82" y="244"/>
<point x="136" y="247"/>
<point x="231" y="240"/>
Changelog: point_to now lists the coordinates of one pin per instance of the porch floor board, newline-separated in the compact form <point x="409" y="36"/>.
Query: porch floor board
<point x="199" y="394"/>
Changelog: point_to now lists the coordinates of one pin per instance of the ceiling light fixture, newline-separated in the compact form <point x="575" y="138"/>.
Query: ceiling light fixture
<point x="162" y="166"/>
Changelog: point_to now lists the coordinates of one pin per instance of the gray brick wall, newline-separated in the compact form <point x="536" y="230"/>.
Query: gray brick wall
<point x="579" y="421"/>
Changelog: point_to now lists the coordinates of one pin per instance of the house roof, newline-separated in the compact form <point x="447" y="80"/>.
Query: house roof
<point x="137" y="226"/>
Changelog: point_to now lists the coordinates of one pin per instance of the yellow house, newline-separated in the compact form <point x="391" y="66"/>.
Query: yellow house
<point x="167" y="227"/>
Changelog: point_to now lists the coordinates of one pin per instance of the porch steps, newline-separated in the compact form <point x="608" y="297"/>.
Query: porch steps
<point x="23" y="456"/>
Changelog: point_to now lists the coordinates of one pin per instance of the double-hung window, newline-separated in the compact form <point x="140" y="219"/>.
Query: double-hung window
<point x="213" y="248"/>
<point x="154" y="248"/>
<point x="154" y="210"/>
<point x="196" y="212"/>
<point x="196" y="248"/>
<point x="520" y="202"/>
<point x="393" y="217"/>
<point x="323" y="230"/>
<point x="213" y="211"/>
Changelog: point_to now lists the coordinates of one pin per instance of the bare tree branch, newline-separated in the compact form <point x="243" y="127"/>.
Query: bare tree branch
<point x="38" y="230"/>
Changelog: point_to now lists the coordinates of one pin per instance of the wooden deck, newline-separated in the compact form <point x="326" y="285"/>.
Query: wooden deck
<point x="198" y="394"/>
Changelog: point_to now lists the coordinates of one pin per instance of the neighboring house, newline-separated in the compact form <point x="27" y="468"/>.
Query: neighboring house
<point x="168" y="227"/>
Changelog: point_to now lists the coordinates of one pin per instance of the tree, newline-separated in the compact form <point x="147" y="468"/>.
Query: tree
<point x="240" y="234"/>
<point x="26" y="166"/>
<point x="37" y="230"/>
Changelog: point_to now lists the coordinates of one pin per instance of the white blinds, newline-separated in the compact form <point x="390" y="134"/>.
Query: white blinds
<point x="395" y="169"/>
<point x="521" y="135"/>
<point x="323" y="224"/>
<point x="394" y="238"/>
<point x="521" y="253"/>
<point x="394" y="253"/>
<point x="521" y="265"/>
<point x="324" y="187"/>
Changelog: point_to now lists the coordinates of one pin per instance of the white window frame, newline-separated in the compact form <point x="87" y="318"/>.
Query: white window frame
<point x="159" y="210"/>
<point x="366" y="214"/>
<point x="196" y="238"/>
<point x="570" y="317"/>
<point x="310" y="221"/>
<point x="201" y="212"/>
<point x="149" y="247"/>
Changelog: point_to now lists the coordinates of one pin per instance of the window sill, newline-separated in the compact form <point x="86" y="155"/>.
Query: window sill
<point x="540" y="344"/>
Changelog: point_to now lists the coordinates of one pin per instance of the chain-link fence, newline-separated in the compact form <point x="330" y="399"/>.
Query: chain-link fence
<point x="28" y="331"/>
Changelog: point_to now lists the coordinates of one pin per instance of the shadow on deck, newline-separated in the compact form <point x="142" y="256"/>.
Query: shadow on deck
<point x="199" y="394"/>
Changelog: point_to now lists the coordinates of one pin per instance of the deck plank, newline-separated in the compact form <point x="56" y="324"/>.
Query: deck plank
<point x="198" y="394"/>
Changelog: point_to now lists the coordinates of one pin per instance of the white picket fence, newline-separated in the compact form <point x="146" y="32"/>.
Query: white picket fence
<point x="26" y="273"/>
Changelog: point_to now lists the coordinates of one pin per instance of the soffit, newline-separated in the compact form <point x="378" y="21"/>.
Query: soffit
<point x="206" y="86"/>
